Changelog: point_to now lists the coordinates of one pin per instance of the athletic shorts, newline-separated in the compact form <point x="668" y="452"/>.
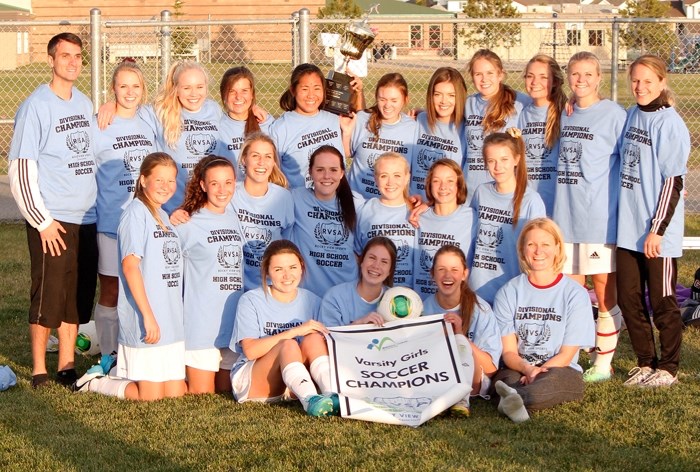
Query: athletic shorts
<point x="589" y="259"/>
<point x="108" y="262"/>
<point x="152" y="364"/>
<point x="63" y="287"/>
<point x="212" y="360"/>
<point x="241" y="381"/>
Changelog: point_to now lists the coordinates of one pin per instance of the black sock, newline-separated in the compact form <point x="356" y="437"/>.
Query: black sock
<point x="66" y="377"/>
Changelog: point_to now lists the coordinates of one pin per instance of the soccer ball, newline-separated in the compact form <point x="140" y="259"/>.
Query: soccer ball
<point x="399" y="303"/>
<point x="87" y="342"/>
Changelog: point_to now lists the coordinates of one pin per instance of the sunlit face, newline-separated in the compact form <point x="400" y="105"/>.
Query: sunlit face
<point x="67" y="62"/>
<point x="160" y="184"/>
<point x="449" y="272"/>
<point x="443" y="185"/>
<point x="444" y="98"/>
<point x="540" y="250"/>
<point x="487" y="77"/>
<point x="191" y="89"/>
<point x="584" y="79"/>
<point x="128" y="90"/>
<point x="376" y="265"/>
<point x="219" y="184"/>
<point x="240" y="99"/>
<point x="259" y="161"/>
<point x="390" y="101"/>
<point x="646" y="85"/>
<point x="538" y="82"/>
<point x="326" y="174"/>
<point x="501" y="162"/>
<point x="392" y="178"/>
<point x="309" y="94"/>
<point x="285" y="274"/>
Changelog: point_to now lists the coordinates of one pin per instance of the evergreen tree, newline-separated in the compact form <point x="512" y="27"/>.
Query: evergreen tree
<point x="648" y="38"/>
<point x="491" y="35"/>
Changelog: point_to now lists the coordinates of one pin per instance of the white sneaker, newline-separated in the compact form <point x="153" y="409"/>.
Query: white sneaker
<point x="660" y="378"/>
<point x="638" y="376"/>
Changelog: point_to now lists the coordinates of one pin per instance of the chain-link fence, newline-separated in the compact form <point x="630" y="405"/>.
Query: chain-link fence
<point x="413" y="46"/>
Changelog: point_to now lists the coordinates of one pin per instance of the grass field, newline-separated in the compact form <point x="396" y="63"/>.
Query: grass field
<point x="614" y="428"/>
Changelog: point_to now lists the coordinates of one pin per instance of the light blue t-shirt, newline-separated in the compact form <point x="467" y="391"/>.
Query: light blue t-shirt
<point x="365" y="148"/>
<point x="541" y="160"/>
<point x="298" y="136"/>
<point x="259" y="315"/>
<point x="655" y="146"/>
<point x="545" y="319"/>
<point x="231" y="138"/>
<point x="161" y="269"/>
<point x="324" y="241"/>
<point x="59" y="136"/>
<point x="119" y="151"/>
<point x="483" y="329"/>
<point x="434" y="232"/>
<point x="444" y="141"/>
<point x="341" y="305"/>
<point x="588" y="185"/>
<point x="495" y="254"/>
<point x="263" y="220"/>
<point x="378" y="219"/>
<point x="212" y="248"/>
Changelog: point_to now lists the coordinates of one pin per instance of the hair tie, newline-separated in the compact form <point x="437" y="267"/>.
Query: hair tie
<point x="514" y="133"/>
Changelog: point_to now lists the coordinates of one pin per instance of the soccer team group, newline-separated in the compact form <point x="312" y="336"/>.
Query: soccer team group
<point x="227" y="243"/>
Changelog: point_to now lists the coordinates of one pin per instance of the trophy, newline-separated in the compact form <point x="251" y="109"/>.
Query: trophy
<point x="356" y="38"/>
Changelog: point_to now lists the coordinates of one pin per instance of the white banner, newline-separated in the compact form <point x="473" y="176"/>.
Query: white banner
<point x="403" y="373"/>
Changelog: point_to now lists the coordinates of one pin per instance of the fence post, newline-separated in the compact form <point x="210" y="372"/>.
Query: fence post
<point x="304" y="36"/>
<point x="295" y="39"/>
<point x="95" y="57"/>
<point x="614" y="59"/>
<point x="165" y="43"/>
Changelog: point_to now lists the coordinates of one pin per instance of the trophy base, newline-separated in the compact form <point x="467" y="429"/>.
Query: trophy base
<point x="338" y="93"/>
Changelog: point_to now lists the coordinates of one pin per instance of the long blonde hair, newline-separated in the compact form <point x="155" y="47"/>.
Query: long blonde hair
<point x="276" y="176"/>
<point x="556" y="97"/>
<point x="166" y="104"/>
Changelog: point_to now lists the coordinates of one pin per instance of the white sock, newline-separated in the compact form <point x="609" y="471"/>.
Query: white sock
<point x="466" y="357"/>
<point x="109" y="386"/>
<point x="107" y="327"/>
<point x="320" y="370"/>
<point x="297" y="378"/>
<point x="511" y="403"/>
<point x="607" y="333"/>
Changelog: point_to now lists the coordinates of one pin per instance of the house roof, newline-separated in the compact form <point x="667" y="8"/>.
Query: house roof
<point x="5" y="8"/>
<point x="397" y="8"/>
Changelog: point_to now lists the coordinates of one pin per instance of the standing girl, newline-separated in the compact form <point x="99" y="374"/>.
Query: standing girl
<point x="119" y="151"/>
<point x="655" y="147"/>
<point x="237" y="90"/>
<point x="270" y="331"/>
<point x="381" y="129"/>
<point x="539" y="122"/>
<point x="588" y="179"/>
<point x="494" y="107"/>
<point x="503" y="207"/>
<point x="212" y="249"/>
<point x="447" y="221"/>
<point x="440" y="127"/>
<point x="304" y="126"/>
<point x="388" y="215"/>
<point x="324" y="222"/>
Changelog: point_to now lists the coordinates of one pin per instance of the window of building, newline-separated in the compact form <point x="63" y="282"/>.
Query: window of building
<point x="434" y="37"/>
<point x="573" y="38"/>
<point x="595" y="37"/>
<point x="416" y="36"/>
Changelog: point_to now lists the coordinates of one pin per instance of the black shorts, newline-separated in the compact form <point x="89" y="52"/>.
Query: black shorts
<point x="63" y="287"/>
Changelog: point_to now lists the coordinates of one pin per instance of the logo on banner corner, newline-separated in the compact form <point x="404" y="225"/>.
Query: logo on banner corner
<point x="378" y="345"/>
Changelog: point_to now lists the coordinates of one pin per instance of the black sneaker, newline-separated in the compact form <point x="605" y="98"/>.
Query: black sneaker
<point x="66" y="377"/>
<point x="40" y="380"/>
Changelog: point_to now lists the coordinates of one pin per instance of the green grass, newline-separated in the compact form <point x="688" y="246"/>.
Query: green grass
<point x="614" y="428"/>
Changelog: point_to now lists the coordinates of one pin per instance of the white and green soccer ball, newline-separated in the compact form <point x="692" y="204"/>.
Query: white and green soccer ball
<point x="400" y="303"/>
<point x="87" y="342"/>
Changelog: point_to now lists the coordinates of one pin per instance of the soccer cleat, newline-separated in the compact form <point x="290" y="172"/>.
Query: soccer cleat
<point x="336" y="403"/>
<point x="66" y="377"/>
<point x="660" y="378"/>
<point x="322" y="405"/>
<point x="593" y="375"/>
<point x="40" y="380"/>
<point x="108" y="362"/>
<point x="638" y="376"/>
<point x="94" y="372"/>
<point x="461" y="408"/>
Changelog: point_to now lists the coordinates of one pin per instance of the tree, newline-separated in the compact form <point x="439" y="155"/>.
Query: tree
<point x="340" y="9"/>
<point x="648" y="38"/>
<point x="181" y="38"/>
<point x="491" y="35"/>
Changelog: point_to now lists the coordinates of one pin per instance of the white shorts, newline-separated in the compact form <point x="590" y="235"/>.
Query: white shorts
<point x="108" y="257"/>
<point x="589" y="259"/>
<point x="241" y="382"/>
<point x="212" y="360"/>
<point x="152" y="364"/>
